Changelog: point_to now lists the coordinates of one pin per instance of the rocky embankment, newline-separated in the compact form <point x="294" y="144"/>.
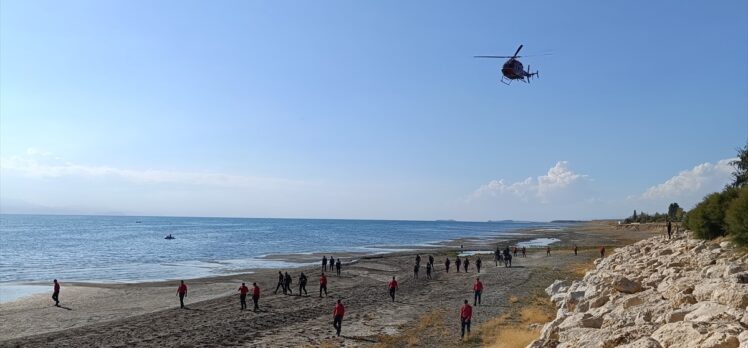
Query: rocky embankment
<point x="655" y="293"/>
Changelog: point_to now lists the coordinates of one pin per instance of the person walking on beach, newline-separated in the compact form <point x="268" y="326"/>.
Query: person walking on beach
<point x="332" y="263"/>
<point x="478" y="262"/>
<point x="416" y="267"/>
<point x="575" y="250"/>
<point x="324" y="263"/>
<point x="548" y="250"/>
<point x="428" y="271"/>
<point x="602" y="251"/>
<point x="56" y="292"/>
<point x="338" y="264"/>
<point x="515" y="251"/>
<point x="392" y="285"/>
<point x="431" y="261"/>
<point x="256" y="296"/>
<point x="458" y="263"/>
<point x="302" y="283"/>
<point x="446" y="265"/>
<point x="524" y="252"/>
<point x="496" y="256"/>
<point x="243" y="290"/>
<point x="337" y="317"/>
<point x="182" y="292"/>
<point x="418" y="259"/>
<point x="477" y="291"/>
<point x="322" y="284"/>
<point x="508" y="260"/>
<point x="466" y="263"/>
<point x="466" y="314"/>
<point x="287" y="284"/>
<point x="669" y="229"/>
<point x="281" y="282"/>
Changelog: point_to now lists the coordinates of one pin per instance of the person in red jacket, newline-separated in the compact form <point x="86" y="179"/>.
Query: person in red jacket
<point x="243" y="290"/>
<point x="337" y="317"/>
<point x="466" y="313"/>
<point x="392" y="285"/>
<point x="255" y="296"/>
<point x="182" y="292"/>
<point x="322" y="284"/>
<point x="56" y="293"/>
<point x="477" y="290"/>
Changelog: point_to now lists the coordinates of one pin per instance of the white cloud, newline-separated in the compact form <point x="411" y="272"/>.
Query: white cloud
<point x="544" y="188"/>
<point x="40" y="164"/>
<point x="689" y="186"/>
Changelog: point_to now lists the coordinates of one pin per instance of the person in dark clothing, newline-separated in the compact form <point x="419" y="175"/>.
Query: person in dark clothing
<point x="243" y="290"/>
<point x="322" y="284"/>
<point x="302" y="283"/>
<point x="669" y="230"/>
<point x="182" y="292"/>
<point x="431" y="261"/>
<point x="524" y="252"/>
<point x="515" y="251"/>
<point x="575" y="250"/>
<point x="324" y="263"/>
<point x="496" y="256"/>
<point x="508" y="260"/>
<point x="602" y="251"/>
<point x="548" y="251"/>
<point x="392" y="286"/>
<point x="332" y="263"/>
<point x="256" y="296"/>
<point x="458" y="262"/>
<point x="466" y="263"/>
<point x="281" y="282"/>
<point x="478" y="263"/>
<point x="418" y="259"/>
<point x="416" y="267"/>
<point x="446" y="264"/>
<point x="56" y="292"/>
<point x="287" y="284"/>
<point x="338" y="264"/>
<point x="428" y="271"/>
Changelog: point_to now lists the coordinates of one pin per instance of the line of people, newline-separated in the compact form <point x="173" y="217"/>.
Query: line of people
<point x="332" y="264"/>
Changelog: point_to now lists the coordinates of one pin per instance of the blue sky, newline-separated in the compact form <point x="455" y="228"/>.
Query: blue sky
<point x="368" y="109"/>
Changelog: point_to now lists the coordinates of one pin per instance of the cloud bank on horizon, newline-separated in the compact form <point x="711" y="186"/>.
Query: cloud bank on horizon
<point x="39" y="182"/>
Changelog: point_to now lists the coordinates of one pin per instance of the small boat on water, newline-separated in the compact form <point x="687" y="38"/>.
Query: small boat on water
<point x="169" y="237"/>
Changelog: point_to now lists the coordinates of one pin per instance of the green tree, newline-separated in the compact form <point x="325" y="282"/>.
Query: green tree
<point x="736" y="217"/>
<point x="674" y="212"/>
<point x="741" y="167"/>
<point x="707" y="219"/>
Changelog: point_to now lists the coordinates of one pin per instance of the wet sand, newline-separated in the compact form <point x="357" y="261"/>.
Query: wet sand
<point x="148" y="314"/>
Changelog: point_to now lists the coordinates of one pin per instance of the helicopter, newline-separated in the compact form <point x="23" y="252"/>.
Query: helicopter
<point x="513" y="69"/>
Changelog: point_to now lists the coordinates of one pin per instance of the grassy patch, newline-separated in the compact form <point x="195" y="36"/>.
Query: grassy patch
<point x="428" y="329"/>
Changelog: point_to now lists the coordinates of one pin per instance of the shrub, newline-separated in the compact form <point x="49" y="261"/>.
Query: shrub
<point x="736" y="217"/>
<point x="707" y="219"/>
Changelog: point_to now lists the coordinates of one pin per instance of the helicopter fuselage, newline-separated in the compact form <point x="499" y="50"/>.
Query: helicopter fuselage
<point x="514" y="70"/>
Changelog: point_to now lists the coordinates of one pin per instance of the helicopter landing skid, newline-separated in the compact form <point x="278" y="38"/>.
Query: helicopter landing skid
<point x="506" y="81"/>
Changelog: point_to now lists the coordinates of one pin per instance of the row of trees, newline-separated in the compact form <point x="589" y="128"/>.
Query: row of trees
<point x="726" y="212"/>
<point x="674" y="213"/>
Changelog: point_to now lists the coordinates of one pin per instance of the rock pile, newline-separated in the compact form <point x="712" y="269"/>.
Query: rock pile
<point x="655" y="293"/>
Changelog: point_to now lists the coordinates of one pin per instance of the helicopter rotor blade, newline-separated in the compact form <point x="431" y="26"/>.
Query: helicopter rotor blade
<point x="517" y="52"/>
<point x="505" y="57"/>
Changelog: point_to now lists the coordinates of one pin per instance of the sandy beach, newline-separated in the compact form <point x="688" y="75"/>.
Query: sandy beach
<point x="425" y="313"/>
